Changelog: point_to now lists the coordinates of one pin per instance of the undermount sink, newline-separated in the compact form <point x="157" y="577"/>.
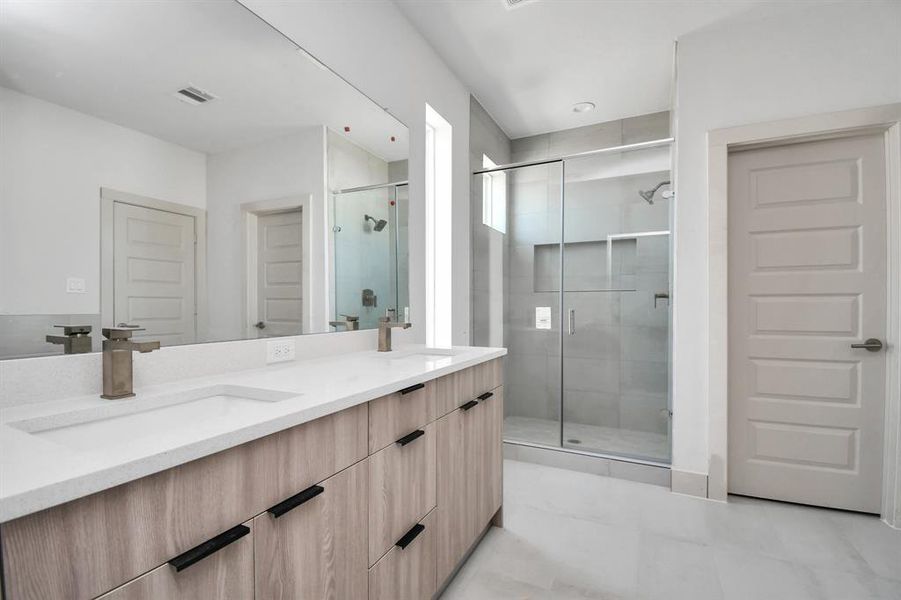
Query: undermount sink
<point x="174" y="418"/>
<point x="426" y="354"/>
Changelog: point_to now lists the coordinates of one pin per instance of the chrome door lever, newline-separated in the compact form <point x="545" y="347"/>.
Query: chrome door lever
<point x="572" y="321"/>
<point x="872" y="344"/>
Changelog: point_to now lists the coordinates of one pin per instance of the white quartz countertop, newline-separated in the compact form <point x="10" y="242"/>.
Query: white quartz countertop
<point x="40" y="471"/>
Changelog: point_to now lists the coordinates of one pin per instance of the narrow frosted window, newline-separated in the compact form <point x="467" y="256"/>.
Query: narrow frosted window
<point x="494" y="197"/>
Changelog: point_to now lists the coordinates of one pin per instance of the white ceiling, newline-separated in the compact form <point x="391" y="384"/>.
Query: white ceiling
<point x="123" y="61"/>
<point x="529" y="64"/>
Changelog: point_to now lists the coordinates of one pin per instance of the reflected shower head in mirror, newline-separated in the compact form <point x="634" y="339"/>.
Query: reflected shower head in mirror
<point x="377" y="224"/>
<point x="648" y="195"/>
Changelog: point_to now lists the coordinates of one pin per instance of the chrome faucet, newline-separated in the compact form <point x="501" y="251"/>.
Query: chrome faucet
<point x="118" y="372"/>
<point x="349" y="322"/>
<point x="385" y="326"/>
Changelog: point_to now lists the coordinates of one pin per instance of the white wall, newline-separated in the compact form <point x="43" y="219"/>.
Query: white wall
<point x="351" y="166"/>
<point x="373" y="46"/>
<point x="806" y="60"/>
<point x="284" y="167"/>
<point x="53" y="162"/>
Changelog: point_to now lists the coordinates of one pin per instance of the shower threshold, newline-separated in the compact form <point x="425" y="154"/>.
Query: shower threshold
<point x="626" y="445"/>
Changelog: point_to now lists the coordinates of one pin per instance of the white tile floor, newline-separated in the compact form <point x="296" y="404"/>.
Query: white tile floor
<point x="592" y="438"/>
<point x="570" y="535"/>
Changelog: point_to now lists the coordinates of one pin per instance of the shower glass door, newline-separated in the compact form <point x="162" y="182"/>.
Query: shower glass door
<point x="516" y="291"/>
<point x="616" y="304"/>
<point x="365" y="252"/>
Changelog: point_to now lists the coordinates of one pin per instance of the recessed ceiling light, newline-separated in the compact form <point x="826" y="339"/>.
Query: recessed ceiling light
<point x="516" y="3"/>
<point x="581" y="107"/>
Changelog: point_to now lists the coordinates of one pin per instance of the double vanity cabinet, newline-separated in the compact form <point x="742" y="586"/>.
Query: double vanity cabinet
<point x="378" y="501"/>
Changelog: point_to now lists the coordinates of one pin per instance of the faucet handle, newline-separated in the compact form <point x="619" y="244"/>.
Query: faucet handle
<point x="387" y="323"/>
<point x="121" y="332"/>
<point x="75" y="329"/>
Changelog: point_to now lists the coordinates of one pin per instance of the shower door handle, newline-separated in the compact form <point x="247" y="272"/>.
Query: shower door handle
<point x="572" y="321"/>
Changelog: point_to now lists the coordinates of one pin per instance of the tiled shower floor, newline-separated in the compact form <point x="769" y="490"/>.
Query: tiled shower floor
<point x="591" y="438"/>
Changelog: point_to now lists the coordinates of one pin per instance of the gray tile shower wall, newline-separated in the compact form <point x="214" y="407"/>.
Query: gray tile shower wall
<point x="615" y="368"/>
<point x="632" y="130"/>
<point x="616" y="364"/>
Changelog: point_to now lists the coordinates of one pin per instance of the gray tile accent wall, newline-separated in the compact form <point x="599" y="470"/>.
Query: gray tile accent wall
<point x="488" y="246"/>
<point x="633" y="130"/>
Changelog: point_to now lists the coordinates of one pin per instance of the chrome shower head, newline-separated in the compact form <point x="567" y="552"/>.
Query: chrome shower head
<point x="377" y="224"/>
<point x="648" y="195"/>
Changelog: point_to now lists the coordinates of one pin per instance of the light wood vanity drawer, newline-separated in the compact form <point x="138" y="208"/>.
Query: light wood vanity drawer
<point x="454" y="390"/>
<point x="226" y="574"/>
<point x="395" y="415"/>
<point x="317" y="549"/>
<point x="402" y="488"/>
<point x="86" y="547"/>
<point x="408" y="572"/>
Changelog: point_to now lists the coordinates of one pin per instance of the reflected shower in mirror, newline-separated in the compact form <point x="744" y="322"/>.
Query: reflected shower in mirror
<point x="173" y="165"/>
<point x="368" y="236"/>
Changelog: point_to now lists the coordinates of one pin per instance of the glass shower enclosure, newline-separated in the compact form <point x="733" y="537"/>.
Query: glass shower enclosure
<point x="369" y="252"/>
<point x="571" y="273"/>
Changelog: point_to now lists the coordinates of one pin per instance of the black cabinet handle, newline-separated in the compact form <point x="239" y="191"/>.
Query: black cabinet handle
<point x="485" y="396"/>
<point x="295" y="500"/>
<point x="408" y="538"/>
<point x="412" y="388"/>
<point x="198" y="553"/>
<point x="410" y="437"/>
<point x="469" y="405"/>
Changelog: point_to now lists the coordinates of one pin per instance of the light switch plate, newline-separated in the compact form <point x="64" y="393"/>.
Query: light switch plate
<point x="279" y="351"/>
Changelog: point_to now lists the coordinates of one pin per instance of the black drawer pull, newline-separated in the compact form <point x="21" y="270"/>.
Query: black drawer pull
<point x="469" y="405"/>
<point x="485" y="396"/>
<point x="198" y="553"/>
<point x="412" y="388"/>
<point x="410" y="437"/>
<point x="408" y="538"/>
<point x="295" y="500"/>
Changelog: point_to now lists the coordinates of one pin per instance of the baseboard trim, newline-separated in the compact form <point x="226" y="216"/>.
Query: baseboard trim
<point x="689" y="483"/>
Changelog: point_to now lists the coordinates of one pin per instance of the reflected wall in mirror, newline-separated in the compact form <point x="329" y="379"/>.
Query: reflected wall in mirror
<point x="178" y="166"/>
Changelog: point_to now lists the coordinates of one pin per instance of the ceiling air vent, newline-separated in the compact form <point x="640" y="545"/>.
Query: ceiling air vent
<point x="193" y="95"/>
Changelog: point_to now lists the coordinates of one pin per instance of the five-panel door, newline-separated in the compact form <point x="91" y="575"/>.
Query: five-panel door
<point x="807" y="283"/>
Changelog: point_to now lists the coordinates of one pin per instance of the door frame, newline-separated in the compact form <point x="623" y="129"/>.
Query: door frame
<point x="884" y="119"/>
<point x="250" y="213"/>
<point x="108" y="198"/>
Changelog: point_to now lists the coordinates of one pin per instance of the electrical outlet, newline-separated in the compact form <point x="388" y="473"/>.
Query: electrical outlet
<point x="279" y="351"/>
<point x="76" y="285"/>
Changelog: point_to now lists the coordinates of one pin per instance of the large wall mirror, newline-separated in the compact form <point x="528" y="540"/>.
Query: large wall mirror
<point x="185" y="168"/>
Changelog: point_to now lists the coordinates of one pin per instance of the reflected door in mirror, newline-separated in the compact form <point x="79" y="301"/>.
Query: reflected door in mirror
<point x="280" y="270"/>
<point x="154" y="271"/>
